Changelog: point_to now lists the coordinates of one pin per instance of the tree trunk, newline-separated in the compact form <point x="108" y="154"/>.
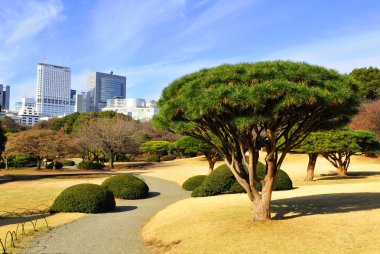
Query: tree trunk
<point x="261" y="204"/>
<point x="6" y="164"/>
<point x="39" y="162"/>
<point x="211" y="164"/>
<point x="311" y="166"/>
<point x="342" y="171"/>
<point x="111" y="160"/>
<point x="55" y="165"/>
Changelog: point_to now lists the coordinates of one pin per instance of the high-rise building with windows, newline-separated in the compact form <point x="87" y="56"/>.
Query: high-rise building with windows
<point x="103" y="86"/>
<point x="53" y="90"/>
<point x="5" y="93"/>
<point x="28" y="114"/>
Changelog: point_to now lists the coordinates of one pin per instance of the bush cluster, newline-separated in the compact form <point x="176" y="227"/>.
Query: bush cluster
<point x="168" y="157"/>
<point x="84" y="198"/>
<point x="90" y="165"/>
<point x="222" y="181"/>
<point x="193" y="182"/>
<point x="126" y="186"/>
<point x="68" y="163"/>
<point x="153" y="158"/>
<point x="58" y="165"/>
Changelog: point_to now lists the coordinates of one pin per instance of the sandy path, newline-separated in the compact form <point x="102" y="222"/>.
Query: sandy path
<point x="115" y="232"/>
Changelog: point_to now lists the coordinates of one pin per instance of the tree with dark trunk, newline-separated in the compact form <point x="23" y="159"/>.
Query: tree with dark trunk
<point x="245" y="107"/>
<point x="189" y="146"/>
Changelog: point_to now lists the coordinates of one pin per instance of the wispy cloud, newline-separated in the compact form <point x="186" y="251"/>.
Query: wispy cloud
<point x="341" y="53"/>
<point x="29" y="19"/>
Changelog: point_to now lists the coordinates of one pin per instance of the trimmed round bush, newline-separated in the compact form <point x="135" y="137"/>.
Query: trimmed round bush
<point x="126" y="186"/>
<point x="153" y="158"/>
<point x="58" y="165"/>
<point x="84" y="198"/>
<point x="68" y="163"/>
<point x="222" y="181"/>
<point x="90" y="165"/>
<point x="193" y="182"/>
<point x="168" y="157"/>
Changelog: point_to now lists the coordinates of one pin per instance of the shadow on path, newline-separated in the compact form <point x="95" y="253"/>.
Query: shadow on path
<point x="125" y="208"/>
<point x="324" y="204"/>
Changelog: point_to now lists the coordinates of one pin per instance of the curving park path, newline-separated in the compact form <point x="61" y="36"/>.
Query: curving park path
<point x="114" y="232"/>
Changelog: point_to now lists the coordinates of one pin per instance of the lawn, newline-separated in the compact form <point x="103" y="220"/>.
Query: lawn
<point x="329" y="215"/>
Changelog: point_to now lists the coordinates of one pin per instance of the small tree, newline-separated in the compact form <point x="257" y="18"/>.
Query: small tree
<point x="338" y="146"/>
<point x="370" y="82"/>
<point x="191" y="146"/>
<point x="155" y="147"/>
<point x="247" y="106"/>
<point x="42" y="144"/>
<point x="112" y="136"/>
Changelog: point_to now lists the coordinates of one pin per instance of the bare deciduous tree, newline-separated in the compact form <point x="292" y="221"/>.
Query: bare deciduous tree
<point x="110" y="135"/>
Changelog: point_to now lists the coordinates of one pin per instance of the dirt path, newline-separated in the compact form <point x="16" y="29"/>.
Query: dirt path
<point x="115" y="232"/>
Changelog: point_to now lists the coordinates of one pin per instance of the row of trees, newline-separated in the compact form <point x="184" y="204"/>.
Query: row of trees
<point x="90" y="135"/>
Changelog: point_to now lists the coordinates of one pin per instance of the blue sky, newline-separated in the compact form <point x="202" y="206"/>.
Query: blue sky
<point x="153" y="42"/>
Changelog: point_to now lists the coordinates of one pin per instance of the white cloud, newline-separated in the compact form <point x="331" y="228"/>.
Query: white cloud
<point x="341" y="53"/>
<point x="31" y="19"/>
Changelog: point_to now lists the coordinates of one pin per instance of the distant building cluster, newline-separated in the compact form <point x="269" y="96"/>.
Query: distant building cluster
<point x="55" y="98"/>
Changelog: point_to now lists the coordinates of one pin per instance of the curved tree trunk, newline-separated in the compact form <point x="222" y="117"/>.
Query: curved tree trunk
<point x="311" y="166"/>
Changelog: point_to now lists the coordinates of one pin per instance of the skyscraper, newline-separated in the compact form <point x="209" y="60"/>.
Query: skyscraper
<point x="53" y="90"/>
<point x="103" y="86"/>
<point x="5" y="93"/>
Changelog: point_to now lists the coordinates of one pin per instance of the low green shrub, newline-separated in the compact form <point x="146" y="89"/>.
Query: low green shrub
<point x="222" y="181"/>
<point x="126" y="186"/>
<point x="68" y="163"/>
<point x="153" y="158"/>
<point x="84" y="198"/>
<point x="193" y="182"/>
<point x="90" y="165"/>
<point x="21" y="160"/>
<point x="58" y="165"/>
<point x="168" y="157"/>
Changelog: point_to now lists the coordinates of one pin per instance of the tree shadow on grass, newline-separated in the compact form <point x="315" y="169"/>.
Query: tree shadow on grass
<point x="324" y="204"/>
<point x="350" y="175"/>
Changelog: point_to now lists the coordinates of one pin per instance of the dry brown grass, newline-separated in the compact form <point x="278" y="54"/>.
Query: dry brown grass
<point x="36" y="193"/>
<point x="324" y="216"/>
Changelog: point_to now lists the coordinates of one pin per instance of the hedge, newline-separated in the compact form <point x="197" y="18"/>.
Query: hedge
<point x="222" y="181"/>
<point x="126" y="186"/>
<point x="84" y="198"/>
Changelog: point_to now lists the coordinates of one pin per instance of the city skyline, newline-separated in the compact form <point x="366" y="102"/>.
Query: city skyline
<point x="155" y="42"/>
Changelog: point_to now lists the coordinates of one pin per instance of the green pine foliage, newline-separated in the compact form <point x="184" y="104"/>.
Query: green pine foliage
<point x="126" y="186"/>
<point x="155" y="147"/>
<point x="370" y="81"/>
<point x="84" y="198"/>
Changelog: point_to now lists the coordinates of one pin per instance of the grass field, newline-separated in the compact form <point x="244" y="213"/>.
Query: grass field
<point x="329" y="215"/>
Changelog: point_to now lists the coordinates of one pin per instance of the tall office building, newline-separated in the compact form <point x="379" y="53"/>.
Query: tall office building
<point x="53" y="90"/>
<point x="5" y="93"/>
<point x="103" y="86"/>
